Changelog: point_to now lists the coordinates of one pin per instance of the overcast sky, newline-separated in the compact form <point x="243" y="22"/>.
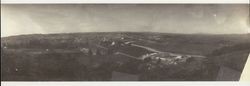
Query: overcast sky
<point x="215" y="19"/>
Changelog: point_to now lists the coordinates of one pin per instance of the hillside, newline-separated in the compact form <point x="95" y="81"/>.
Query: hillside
<point x="201" y="44"/>
<point x="232" y="56"/>
<point x="64" y="57"/>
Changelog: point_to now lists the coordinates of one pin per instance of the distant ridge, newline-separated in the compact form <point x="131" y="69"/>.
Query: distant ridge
<point x="124" y="32"/>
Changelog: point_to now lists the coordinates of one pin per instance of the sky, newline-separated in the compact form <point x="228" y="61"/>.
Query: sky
<point x="166" y="18"/>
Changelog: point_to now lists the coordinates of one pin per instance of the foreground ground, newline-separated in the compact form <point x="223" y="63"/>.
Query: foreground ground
<point x="85" y="56"/>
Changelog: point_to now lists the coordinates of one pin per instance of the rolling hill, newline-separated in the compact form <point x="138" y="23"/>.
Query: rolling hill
<point x="59" y="56"/>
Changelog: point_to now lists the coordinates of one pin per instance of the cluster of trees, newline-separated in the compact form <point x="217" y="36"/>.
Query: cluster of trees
<point x="180" y="72"/>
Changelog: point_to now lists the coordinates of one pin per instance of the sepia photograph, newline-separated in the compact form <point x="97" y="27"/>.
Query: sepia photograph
<point x="124" y="42"/>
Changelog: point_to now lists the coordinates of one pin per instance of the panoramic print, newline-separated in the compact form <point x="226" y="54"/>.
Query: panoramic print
<point x="124" y="42"/>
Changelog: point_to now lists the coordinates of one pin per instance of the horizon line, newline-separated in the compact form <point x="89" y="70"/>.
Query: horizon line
<point x="199" y="33"/>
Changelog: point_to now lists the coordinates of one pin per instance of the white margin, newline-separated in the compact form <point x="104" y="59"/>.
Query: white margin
<point x="126" y="1"/>
<point x="85" y="83"/>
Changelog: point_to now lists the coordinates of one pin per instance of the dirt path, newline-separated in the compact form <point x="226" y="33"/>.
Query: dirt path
<point x="147" y="48"/>
<point x="173" y="54"/>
